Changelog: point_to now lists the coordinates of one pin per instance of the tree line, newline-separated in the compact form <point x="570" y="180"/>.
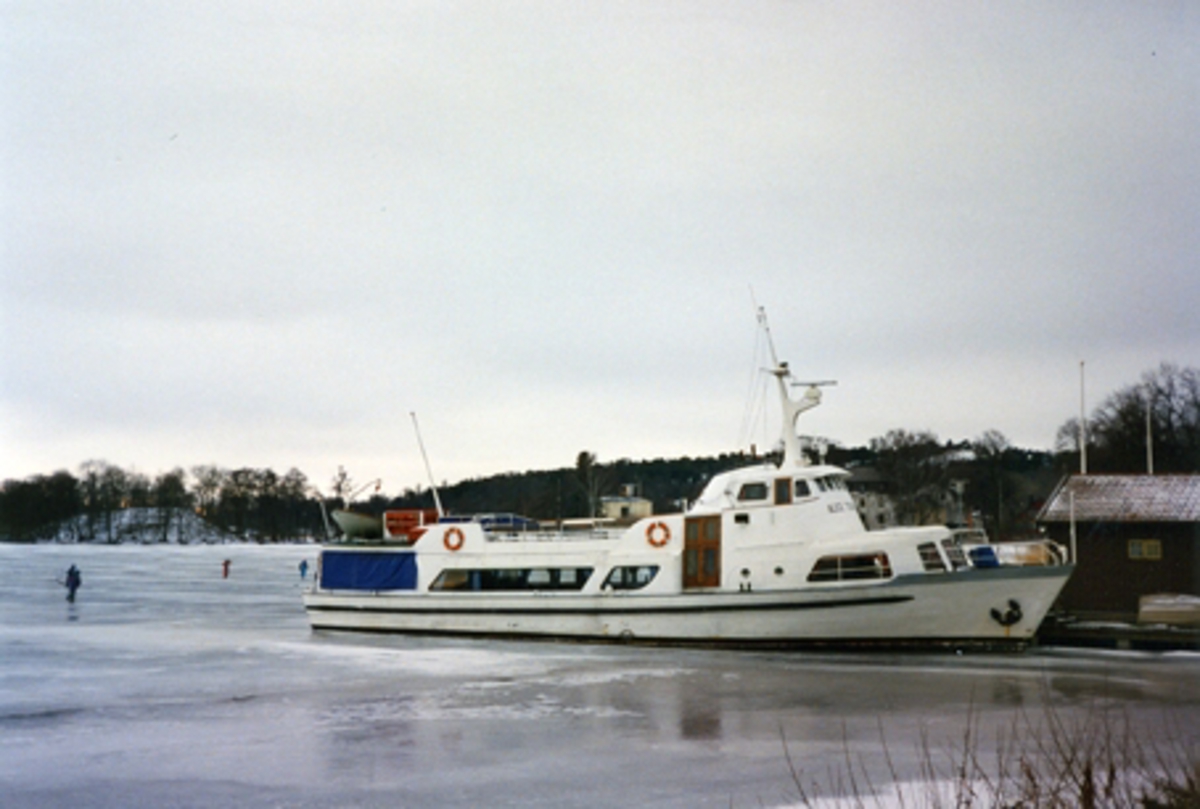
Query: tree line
<point x="988" y="476"/>
<point x="247" y="503"/>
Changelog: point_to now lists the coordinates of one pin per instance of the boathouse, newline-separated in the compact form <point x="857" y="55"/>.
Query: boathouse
<point x="1132" y="536"/>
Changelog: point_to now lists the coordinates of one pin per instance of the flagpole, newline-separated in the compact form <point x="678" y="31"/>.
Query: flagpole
<point x="1082" y="425"/>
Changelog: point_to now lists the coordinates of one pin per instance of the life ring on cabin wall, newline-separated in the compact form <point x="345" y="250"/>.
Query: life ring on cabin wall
<point x="452" y="539"/>
<point x="658" y="534"/>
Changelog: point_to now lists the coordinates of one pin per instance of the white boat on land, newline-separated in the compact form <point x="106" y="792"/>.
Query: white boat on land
<point x="356" y="525"/>
<point x="769" y="555"/>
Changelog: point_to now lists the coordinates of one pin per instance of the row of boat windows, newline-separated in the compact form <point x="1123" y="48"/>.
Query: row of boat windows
<point x="846" y="567"/>
<point x="625" y="577"/>
<point x="760" y="491"/>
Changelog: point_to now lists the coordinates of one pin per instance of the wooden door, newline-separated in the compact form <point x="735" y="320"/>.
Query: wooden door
<point x="702" y="552"/>
<point x="783" y="491"/>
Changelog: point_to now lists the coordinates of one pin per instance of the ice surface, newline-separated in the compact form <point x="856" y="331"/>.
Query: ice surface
<point x="166" y="684"/>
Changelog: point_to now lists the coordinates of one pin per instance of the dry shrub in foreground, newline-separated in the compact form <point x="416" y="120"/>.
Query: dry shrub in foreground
<point x="1044" y="760"/>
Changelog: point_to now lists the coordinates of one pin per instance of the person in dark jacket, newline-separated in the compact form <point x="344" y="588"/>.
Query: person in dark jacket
<point x="72" y="582"/>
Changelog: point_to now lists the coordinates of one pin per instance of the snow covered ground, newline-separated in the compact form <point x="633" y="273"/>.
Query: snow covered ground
<point x="143" y="526"/>
<point x="166" y="684"/>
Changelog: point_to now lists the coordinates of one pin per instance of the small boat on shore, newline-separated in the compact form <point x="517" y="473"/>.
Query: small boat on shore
<point x="356" y="525"/>
<point x="768" y="555"/>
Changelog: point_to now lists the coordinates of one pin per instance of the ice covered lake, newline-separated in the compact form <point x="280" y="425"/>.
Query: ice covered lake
<point x="167" y="685"/>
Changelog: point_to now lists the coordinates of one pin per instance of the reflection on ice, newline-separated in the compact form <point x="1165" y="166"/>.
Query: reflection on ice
<point x="166" y="683"/>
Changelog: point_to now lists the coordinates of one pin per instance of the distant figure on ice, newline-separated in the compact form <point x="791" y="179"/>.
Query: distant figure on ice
<point x="304" y="568"/>
<point x="72" y="582"/>
<point x="225" y="569"/>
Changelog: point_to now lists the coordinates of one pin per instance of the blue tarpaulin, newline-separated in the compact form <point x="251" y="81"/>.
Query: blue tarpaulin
<point x="368" y="570"/>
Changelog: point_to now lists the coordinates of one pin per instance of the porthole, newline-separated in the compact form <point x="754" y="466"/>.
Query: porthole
<point x="778" y="571"/>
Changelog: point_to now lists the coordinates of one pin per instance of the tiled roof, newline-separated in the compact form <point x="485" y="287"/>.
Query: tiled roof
<point x="1126" y="498"/>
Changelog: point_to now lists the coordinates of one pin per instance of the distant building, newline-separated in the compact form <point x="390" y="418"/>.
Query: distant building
<point x="627" y="507"/>
<point x="869" y="490"/>
<point x="1135" y="535"/>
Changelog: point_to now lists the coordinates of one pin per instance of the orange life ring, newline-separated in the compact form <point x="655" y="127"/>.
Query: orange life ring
<point x="452" y="539"/>
<point x="656" y="537"/>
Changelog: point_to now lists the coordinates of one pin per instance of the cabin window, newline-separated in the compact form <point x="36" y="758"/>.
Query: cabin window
<point x="783" y="491"/>
<point x="802" y="489"/>
<point x="631" y="577"/>
<point x="830" y="483"/>
<point x="1145" y="549"/>
<point x="848" y="567"/>
<point x="753" y="491"/>
<point x="954" y="552"/>
<point x="504" y="579"/>
<point x="930" y="558"/>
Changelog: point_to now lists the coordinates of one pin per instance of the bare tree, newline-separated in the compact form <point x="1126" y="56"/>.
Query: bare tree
<point x="208" y="487"/>
<point x="991" y="450"/>
<point x="170" y="495"/>
<point x="1169" y="399"/>
<point x="913" y="464"/>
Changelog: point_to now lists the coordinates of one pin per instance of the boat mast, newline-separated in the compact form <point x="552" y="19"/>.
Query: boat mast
<point x="437" y="501"/>
<point x="792" y="408"/>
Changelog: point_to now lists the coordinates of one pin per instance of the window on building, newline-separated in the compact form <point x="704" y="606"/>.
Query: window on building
<point x="1145" y="549"/>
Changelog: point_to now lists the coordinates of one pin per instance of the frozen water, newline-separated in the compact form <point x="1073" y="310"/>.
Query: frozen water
<point x="166" y="684"/>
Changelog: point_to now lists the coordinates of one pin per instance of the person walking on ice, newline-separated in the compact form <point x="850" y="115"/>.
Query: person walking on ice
<point x="72" y="582"/>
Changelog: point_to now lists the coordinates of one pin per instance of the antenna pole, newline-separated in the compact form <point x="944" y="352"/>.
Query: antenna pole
<point x="1082" y="425"/>
<point x="1074" y="546"/>
<point x="1149" y="432"/>
<point x="762" y="320"/>
<point x="437" y="501"/>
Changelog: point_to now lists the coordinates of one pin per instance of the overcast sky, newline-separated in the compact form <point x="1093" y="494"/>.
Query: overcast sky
<point x="261" y="233"/>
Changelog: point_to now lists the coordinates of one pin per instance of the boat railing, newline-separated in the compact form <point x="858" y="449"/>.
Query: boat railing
<point x="608" y="534"/>
<point x="1017" y="553"/>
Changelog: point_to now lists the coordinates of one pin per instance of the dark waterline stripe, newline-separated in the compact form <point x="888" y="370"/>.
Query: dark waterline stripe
<point x="670" y="609"/>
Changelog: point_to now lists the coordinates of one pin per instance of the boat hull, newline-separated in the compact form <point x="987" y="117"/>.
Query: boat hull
<point x="964" y="608"/>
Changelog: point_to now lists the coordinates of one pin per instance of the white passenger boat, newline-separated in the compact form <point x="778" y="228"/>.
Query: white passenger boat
<point x="767" y="556"/>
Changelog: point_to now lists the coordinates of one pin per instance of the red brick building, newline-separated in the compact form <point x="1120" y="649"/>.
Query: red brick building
<point x="1135" y="535"/>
